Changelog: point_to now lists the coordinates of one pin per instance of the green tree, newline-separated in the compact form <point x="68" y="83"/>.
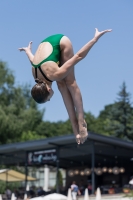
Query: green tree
<point x="103" y="120"/>
<point x="120" y="123"/>
<point x="20" y="118"/>
<point x="19" y="114"/>
<point x="91" y="121"/>
<point x="60" y="179"/>
<point x="97" y="124"/>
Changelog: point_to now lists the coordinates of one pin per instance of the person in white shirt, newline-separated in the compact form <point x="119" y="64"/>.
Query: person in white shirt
<point x="75" y="190"/>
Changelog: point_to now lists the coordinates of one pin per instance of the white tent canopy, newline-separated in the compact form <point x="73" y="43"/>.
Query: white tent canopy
<point x="10" y="175"/>
<point x="53" y="196"/>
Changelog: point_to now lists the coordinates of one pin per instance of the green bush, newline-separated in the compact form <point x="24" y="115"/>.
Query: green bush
<point x="12" y="186"/>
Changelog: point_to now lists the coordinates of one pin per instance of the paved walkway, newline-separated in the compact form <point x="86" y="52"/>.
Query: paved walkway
<point x="108" y="197"/>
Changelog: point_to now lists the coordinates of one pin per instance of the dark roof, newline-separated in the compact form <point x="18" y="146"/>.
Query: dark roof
<point x="69" y="151"/>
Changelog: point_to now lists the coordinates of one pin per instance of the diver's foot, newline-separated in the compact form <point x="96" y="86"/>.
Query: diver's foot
<point x="84" y="136"/>
<point x="78" y="137"/>
<point x="83" y="132"/>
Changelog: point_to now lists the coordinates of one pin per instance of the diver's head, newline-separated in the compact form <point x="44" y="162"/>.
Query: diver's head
<point x="40" y="92"/>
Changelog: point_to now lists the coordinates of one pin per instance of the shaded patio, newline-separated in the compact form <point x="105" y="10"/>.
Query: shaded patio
<point x="97" y="152"/>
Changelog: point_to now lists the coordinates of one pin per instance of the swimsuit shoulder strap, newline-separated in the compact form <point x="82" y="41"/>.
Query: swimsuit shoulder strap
<point x="36" y="72"/>
<point x="42" y="74"/>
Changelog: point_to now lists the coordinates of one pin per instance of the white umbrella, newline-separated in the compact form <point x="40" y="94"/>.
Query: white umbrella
<point x="98" y="195"/>
<point x="25" y="196"/>
<point x="13" y="196"/>
<point x="27" y="188"/>
<point x="69" y="195"/>
<point x="131" y="182"/>
<point x="86" y="196"/>
<point x="54" y="196"/>
<point x="37" y="198"/>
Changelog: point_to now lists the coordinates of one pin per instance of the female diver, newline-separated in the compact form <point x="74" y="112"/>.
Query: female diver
<point x="54" y="60"/>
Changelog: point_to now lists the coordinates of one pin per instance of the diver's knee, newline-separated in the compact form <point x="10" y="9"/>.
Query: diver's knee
<point x="70" y="83"/>
<point x="61" y="84"/>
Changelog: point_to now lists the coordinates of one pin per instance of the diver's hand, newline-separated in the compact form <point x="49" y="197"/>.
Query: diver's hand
<point x="28" y="48"/>
<point x="99" y="34"/>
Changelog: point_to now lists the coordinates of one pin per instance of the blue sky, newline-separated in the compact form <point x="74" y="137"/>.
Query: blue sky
<point x="101" y="73"/>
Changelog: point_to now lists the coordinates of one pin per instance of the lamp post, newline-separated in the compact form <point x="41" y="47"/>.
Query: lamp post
<point x="57" y="170"/>
<point x="93" y="166"/>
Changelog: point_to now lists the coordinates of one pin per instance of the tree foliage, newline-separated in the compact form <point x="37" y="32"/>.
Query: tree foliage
<point x="19" y="114"/>
<point x="120" y="116"/>
<point x="21" y="120"/>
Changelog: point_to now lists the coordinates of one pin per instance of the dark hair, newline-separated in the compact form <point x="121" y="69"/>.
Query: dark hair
<point x="74" y="182"/>
<point x="39" y="91"/>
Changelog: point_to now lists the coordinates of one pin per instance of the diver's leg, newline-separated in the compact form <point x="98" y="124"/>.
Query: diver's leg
<point x="70" y="107"/>
<point x="78" y="103"/>
<point x="66" y="54"/>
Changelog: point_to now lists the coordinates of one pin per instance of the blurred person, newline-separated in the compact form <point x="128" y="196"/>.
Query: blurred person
<point x="54" y="60"/>
<point x="31" y="193"/>
<point x="89" y="188"/>
<point x="17" y="193"/>
<point x="8" y="193"/>
<point x="75" y="190"/>
<point x="40" y="192"/>
<point x="82" y="186"/>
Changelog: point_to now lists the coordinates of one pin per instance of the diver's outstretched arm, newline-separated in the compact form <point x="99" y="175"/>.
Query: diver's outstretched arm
<point x="86" y="48"/>
<point x="28" y="51"/>
<point x="66" y="67"/>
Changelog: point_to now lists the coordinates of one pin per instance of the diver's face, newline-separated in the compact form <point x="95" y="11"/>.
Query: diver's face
<point x="51" y="92"/>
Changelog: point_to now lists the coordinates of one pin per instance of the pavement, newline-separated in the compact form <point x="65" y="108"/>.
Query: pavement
<point x="108" y="197"/>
